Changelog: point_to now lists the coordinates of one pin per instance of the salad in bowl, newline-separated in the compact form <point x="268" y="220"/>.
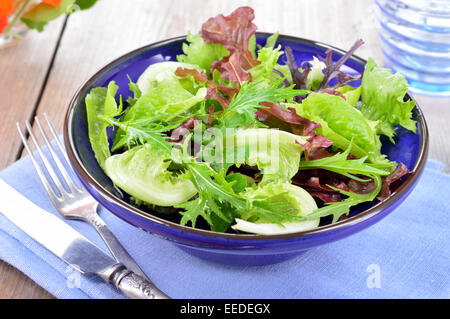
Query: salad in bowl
<point x="238" y="137"/>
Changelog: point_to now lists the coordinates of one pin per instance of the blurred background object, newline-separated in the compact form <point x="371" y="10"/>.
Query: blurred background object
<point x="415" y="40"/>
<point x="18" y="16"/>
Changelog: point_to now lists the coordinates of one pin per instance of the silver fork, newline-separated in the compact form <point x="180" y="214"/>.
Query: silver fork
<point x="72" y="201"/>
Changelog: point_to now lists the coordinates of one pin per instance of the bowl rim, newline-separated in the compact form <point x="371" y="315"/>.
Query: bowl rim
<point x="348" y="222"/>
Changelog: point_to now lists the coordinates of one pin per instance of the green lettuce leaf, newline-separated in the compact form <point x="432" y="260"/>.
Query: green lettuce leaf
<point x="201" y="53"/>
<point x="382" y="95"/>
<point x="144" y="174"/>
<point x="352" y="94"/>
<point x="168" y="97"/>
<point x="342" y="123"/>
<point x="276" y="153"/>
<point x="164" y="72"/>
<point x="164" y="99"/>
<point x="272" y="40"/>
<point x="101" y="102"/>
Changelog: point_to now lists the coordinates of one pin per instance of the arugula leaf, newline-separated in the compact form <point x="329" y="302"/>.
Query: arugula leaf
<point x="100" y="102"/>
<point x="221" y="197"/>
<point x="337" y="209"/>
<point x="339" y="163"/>
<point x="382" y="96"/>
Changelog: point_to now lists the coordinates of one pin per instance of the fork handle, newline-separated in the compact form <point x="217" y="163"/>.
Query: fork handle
<point x="114" y="245"/>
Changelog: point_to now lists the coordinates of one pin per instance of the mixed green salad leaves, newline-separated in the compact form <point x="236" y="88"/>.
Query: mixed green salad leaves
<point x="234" y="136"/>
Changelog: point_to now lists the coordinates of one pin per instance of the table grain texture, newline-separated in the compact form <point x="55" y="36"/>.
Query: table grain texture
<point x="42" y="72"/>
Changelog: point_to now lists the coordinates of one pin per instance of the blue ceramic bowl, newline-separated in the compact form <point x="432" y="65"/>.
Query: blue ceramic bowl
<point x="235" y="249"/>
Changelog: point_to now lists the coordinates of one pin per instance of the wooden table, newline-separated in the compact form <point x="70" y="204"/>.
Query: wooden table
<point x="41" y="73"/>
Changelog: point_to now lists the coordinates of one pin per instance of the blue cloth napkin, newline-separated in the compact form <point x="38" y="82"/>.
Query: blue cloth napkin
<point x="405" y="255"/>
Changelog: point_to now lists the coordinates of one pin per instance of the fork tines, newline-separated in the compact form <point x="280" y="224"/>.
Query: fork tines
<point x="62" y="191"/>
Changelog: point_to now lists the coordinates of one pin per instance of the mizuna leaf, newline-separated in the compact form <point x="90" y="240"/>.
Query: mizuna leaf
<point x="337" y="209"/>
<point x="339" y="163"/>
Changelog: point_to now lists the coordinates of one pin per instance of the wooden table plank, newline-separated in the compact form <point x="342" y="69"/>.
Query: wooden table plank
<point x="24" y="67"/>
<point x="112" y="28"/>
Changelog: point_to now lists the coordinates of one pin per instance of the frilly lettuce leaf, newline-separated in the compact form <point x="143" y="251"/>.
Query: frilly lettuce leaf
<point x="201" y="53"/>
<point x="272" y="40"/>
<point x="382" y="95"/>
<point x="315" y="76"/>
<point x="268" y="56"/>
<point x="342" y="123"/>
<point x="143" y="174"/>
